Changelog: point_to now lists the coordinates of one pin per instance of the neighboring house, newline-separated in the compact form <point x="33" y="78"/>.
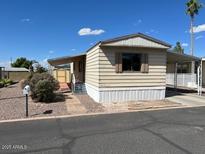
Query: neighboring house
<point x="127" y="68"/>
<point x="15" y="74"/>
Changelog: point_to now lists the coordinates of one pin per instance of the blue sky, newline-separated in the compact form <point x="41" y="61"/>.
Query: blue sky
<point x="41" y="29"/>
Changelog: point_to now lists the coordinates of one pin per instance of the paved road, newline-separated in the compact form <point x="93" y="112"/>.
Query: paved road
<point x="178" y="131"/>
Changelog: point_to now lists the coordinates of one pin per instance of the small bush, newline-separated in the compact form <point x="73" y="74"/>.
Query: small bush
<point x="44" y="91"/>
<point x="5" y="82"/>
<point x="42" y="87"/>
<point x="8" y="82"/>
<point x="1" y="84"/>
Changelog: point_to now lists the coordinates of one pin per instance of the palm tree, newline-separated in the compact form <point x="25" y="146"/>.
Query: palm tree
<point x="178" y="48"/>
<point x="193" y="7"/>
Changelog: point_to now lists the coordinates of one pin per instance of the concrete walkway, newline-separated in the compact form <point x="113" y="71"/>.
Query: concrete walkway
<point x="187" y="99"/>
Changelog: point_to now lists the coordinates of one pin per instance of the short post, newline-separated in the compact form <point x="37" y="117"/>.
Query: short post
<point x="26" y="105"/>
<point x="25" y="93"/>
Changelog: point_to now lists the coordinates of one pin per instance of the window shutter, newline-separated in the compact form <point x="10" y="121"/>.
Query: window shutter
<point x="118" y="62"/>
<point x="144" y="63"/>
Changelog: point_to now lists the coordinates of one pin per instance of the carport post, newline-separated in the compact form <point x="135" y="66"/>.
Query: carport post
<point x="175" y="75"/>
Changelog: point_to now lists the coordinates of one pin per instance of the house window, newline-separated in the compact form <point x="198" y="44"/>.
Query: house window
<point x="131" y="62"/>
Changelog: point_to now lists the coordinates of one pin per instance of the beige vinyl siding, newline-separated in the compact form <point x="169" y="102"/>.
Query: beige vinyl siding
<point x="109" y="78"/>
<point x="92" y="67"/>
<point x="137" y="41"/>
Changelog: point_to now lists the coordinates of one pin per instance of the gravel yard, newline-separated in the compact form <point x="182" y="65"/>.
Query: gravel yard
<point x="12" y="105"/>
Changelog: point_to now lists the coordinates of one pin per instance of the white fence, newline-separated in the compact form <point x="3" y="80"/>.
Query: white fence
<point x="183" y="80"/>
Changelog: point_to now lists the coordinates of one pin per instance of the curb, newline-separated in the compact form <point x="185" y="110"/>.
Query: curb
<point x="95" y="114"/>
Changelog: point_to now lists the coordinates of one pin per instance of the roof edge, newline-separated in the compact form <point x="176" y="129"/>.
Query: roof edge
<point x="194" y="57"/>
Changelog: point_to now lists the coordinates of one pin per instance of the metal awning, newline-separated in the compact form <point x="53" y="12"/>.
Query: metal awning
<point x="65" y="60"/>
<point x="173" y="57"/>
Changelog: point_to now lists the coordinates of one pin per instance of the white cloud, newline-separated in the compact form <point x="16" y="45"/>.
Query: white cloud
<point x="152" y="31"/>
<point x="26" y="20"/>
<point x="73" y="49"/>
<point x="51" y="52"/>
<point x="89" y="31"/>
<point x="185" y="44"/>
<point x="139" y="21"/>
<point x="199" y="37"/>
<point x="200" y="28"/>
<point x="44" y="63"/>
<point x="5" y="64"/>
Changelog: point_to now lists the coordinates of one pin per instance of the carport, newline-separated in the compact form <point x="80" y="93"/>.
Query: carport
<point x="179" y="71"/>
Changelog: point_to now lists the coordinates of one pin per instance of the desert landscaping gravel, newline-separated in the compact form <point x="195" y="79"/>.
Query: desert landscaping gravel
<point x="12" y="105"/>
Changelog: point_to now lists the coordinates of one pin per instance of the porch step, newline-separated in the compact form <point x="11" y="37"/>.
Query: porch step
<point x="64" y="87"/>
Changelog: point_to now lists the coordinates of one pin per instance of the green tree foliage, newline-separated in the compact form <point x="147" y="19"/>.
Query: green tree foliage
<point x="22" y="62"/>
<point x="40" y="69"/>
<point x="178" y="48"/>
<point x="193" y="7"/>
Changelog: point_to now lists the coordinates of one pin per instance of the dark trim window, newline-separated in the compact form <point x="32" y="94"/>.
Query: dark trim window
<point x="131" y="62"/>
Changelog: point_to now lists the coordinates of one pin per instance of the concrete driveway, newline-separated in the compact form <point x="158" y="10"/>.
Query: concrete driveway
<point x="186" y="98"/>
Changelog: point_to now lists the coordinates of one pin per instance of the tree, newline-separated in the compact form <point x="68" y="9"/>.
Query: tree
<point x="22" y="62"/>
<point x="178" y="48"/>
<point x="193" y="7"/>
<point x="40" y="69"/>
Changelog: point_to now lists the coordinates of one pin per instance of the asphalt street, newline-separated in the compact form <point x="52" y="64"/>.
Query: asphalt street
<point x="176" y="131"/>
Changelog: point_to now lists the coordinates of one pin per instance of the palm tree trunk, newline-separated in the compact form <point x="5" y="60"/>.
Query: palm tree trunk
<point x="192" y="51"/>
<point x="192" y="36"/>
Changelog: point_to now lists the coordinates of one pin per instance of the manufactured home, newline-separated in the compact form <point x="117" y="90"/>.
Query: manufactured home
<point x="127" y="68"/>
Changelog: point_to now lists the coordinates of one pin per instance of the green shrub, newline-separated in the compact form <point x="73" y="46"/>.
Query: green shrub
<point x="43" y="86"/>
<point x="5" y="82"/>
<point x="1" y="84"/>
<point x="44" y="91"/>
<point x="8" y="82"/>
